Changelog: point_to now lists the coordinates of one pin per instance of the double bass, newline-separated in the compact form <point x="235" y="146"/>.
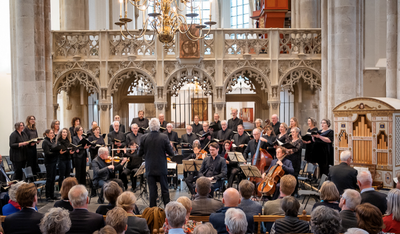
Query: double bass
<point x="262" y="160"/>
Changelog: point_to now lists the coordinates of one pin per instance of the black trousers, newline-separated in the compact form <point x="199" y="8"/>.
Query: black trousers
<point x="189" y="179"/>
<point x="124" y="177"/>
<point x="32" y="159"/>
<point x="233" y="172"/>
<point x="18" y="175"/>
<point x="64" y="167"/>
<point x="80" y="169"/>
<point x="50" y="178"/>
<point x="152" y="182"/>
<point x="217" y="184"/>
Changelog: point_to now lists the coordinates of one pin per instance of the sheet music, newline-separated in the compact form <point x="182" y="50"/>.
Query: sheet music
<point x="171" y="165"/>
<point x="236" y="157"/>
<point x="361" y="169"/>
<point x="251" y="171"/>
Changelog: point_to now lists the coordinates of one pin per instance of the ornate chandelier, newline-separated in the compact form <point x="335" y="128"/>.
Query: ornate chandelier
<point x="166" y="19"/>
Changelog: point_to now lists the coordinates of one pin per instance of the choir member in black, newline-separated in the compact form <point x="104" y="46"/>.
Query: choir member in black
<point x="141" y="121"/>
<point x="283" y="135"/>
<point x="31" y="132"/>
<point x="116" y="139"/>
<point x="94" y="148"/>
<point x="275" y="124"/>
<point x="323" y="151"/>
<point x="240" y="139"/>
<point x="294" y="123"/>
<point x="50" y="161"/>
<point x="269" y="138"/>
<point x="204" y="140"/>
<point x="189" y="136"/>
<point x="214" y="167"/>
<point x="163" y="123"/>
<point x="18" y="149"/>
<point x="233" y="167"/>
<point x="258" y="124"/>
<point x="253" y="143"/>
<point x="80" y="156"/>
<point x="310" y="144"/>
<point x="134" y="135"/>
<point x="191" y="175"/>
<point x="224" y="134"/>
<point x="216" y="122"/>
<point x="172" y="136"/>
<point x="196" y="126"/>
<point x="90" y="132"/>
<point x="55" y="126"/>
<point x="234" y="121"/>
<point x="294" y="155"/>
<point x="76" y="121"/>
<point x="63" y="140"/>
<point x="121" y="126"/>
<point x="104" y="172"/>
<point x="133" y="165"/>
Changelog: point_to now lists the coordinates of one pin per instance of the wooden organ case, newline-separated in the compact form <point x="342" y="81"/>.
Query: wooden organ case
<point x="370" y="129"/>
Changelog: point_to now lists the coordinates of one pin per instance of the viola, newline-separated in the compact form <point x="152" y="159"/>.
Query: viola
<point x="268" y="184"/>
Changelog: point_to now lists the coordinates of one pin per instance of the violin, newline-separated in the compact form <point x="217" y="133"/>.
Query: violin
<point x="203" y="153"/>
<point x="268" y="184"/>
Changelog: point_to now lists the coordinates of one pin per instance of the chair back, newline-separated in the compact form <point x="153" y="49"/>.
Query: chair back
<point x="310" y="168"/>
<point x="28" y="174"/>
<point x="91" y="174"/>
<point x="9" y="163"/>
<point x="42" y="168"/>
<point x="322" y="180"/>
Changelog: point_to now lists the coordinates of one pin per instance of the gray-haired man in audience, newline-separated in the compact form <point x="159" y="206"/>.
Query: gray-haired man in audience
<point x="348" y="202"/>
<point x="235" y="221"/>
<point x="175" y="217"/>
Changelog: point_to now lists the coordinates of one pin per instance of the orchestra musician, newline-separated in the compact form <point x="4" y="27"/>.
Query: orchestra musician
<point x="172" y="136"/>
<point x="134" y="135"/>
<point x="269" y="138"/>
<point x="76" y="121"/>
<point x="31" y="132"/>
<point x="80" y="157"/>
<point x="204" y="140"/>
<point x="214" y="168"/>
<point x="232" y="167"/>
<point x="294" y="155"/>
<point x="116" y="139"/>
<point x="104" y="172"/>
<point x="55" y="126"/>
<point x="133" y="165"/>
<point x="189" y="136"/>
<point x="63" y="142"/>
<point x="141" y="121"/>
<point x="190" y="177"/>
<point x="224" y="134"/>
<point x="94" y="149"/>
<point x="253" y="143"/>
<point x="196" y="126"/>
<point x="121" y="126"/>
<point x="240" y="139"/>
<point x="275" y="124"/>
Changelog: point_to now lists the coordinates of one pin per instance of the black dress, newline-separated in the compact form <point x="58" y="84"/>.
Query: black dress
<point x="310" y="147"/>
<point x="64" y="160"/>
<point x="18" y="154"/>
<point x="323" y="152"/>
<point x="50" y="160"/>
<point x="79" y="159"/>
<point x="31" y="157"/>
<point x="93" y="150"/>
<point x="270" y="145"/>
<point x="295" y="158"/>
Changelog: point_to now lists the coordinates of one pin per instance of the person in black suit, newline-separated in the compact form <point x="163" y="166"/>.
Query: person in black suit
<point x="234" y="121"/>
<point x="216" y="122"/>
<point x="141" y="121"/>
<point x="275" y="124"/>
<point x="196" y="126"/>
<point x="27" y="220"/>
<point x="133" y="165"/>
<point x="253" y="143"/>
<point x="172" y="136"/>
<point x="342" y="175"/>
<point x="153" y="148"/>
<point x="50" y="160"/>
<point x="18" y="149"/>
<point x="241" y="139"/>
<point x="116" y="139"/>
<point x="204" y="140"/>
<point x="121" y="126"/>
<point x="80" y="157"/>
<point x="368" y="193"/>
<point x="189" y="136"/>
<point x="224" y="134"/>
<point x="82" y="221"/>
<point x="163" y="123"/>
<point x="134" y="135"/>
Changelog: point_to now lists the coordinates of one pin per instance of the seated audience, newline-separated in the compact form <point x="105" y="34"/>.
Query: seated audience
<point x="82" y="220"/>
<point x="27" y="220"/>
<point x="190" y="224"/>
<point x="348" y="202"/>
<point x="291" y="223"/>
<point x="369" y="218"/>
<point x="175" y="217"/>
<point x="111" y="191"/>
<point x="203" y="205"/>
<point x="205" y="228"/>
<point x="392" y="220"/>
<point x="274" y="207"/>
<point x="117" y="219"/>
<point x="246" y="189"/>
<point x="136" y="225"/>
<point x="343" y="175"/>
<point x="55" y="221"/>
<point x="12" y="205"/>
<point x="67" y="184"/>
<point x="368" y="193"/>
<point x="329" y="196"/>
<point x="231" y="199"/>
<point x="235" y="221"/>
<point x="106" y="230"/>
<point x="325" y="220"/>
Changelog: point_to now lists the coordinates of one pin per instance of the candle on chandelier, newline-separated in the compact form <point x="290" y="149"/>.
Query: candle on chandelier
<point x="210" y="8"/>
<point x="120" y="8"/>
<point x="126" y="8"/>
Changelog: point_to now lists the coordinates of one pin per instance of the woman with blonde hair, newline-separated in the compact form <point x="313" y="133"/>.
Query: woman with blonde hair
<point x="67" y="184"/>
<point x="136" y="225"/>
<point x="329" y="196"/>
<point x="392" y="220"/>
<point x="190" y="224"/>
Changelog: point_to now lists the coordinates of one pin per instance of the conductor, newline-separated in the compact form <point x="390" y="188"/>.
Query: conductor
<point x="153" y="147"/>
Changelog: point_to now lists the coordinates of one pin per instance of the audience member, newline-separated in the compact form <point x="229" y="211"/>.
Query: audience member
<point x="106" y="230"/>
<point x="325" y="220"/>
<point x="355" y="231"/>
<point x="136" y="225"/>
<point x="369" y="218"/>
<point x="82" y="220"/>
<point x="12" y="205"/>
<point x="246" y="189"/>
<point x="175" y="217"/>
<point x="27" y="220"/>
<point x="329" y="196"/>
<point x="348" y="202"/>
<point x="291" y="223"/>
<point x="111" y="191"/>
<point x="342" y="175"/>
<point x="67" y="184"/>
<point x="274" y="207"/>
<point x="55" y="221"/>
<point x="117" y="219"/>
<point x="231" y="199"/>
<point x="190" y="224"/>
<point x="203" y="205"/>
<point x="235" y="221"/>
<point x="205" y="228"/>
<point x="368" y="193"/>
<point x="392" y="220"/>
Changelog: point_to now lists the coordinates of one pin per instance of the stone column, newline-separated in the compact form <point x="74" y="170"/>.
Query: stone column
<point x="74" y="14"/>
<point x="398" y="51"/>
<point x="306" y="13"/>
<point x="391" y="49"/>
<point x="105" y="117"/>
<point x="31" y="61"/>
<point x="323" y="104"/>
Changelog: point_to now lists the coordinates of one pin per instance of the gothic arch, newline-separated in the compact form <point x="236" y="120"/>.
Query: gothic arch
<point x="76" y="76"/>
<point x="248" y="72"/>
<point x="120" y="77"/>
<point x="310" y="76"/>
<point x="189" y="75"/>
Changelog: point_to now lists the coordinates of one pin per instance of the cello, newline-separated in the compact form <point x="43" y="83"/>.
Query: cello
<point x="268" y="185"/>
<point x="261" y="159"/>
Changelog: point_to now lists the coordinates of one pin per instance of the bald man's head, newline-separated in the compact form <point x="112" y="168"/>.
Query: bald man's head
<point x="231" y="198"/>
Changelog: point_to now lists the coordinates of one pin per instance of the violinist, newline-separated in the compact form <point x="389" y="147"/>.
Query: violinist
<point x="133" y="165"/>
<point x="269" y="138"/>
<point x="94" y="149"/>
<point x="190" y="176"/>
<point x="80" y="156"/>
<point x="104" y="172"/>
<point x="117" y="139"/>
<point x="233" y="167"/>
<point x="252" y="146"/>
<point x="241" y="139"/>
<point x="204" y="140"/>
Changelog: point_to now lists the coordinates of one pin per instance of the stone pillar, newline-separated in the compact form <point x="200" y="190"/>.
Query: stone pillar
<point x="105" y="118"/>
<point x="323" y="104"/>
<point x="306" y="13"/>
<point x="31" y="61"/>
<point x="391" y="49"/>
<point x="398" y="51"/>
<point x="74" y="14"/>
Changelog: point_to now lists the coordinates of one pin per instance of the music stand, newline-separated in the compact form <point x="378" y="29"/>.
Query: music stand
<point x="250" y="171"/>
<point x="192" y="165"/>
<point x="236" y="157"/>
<point x="142" y="186"/>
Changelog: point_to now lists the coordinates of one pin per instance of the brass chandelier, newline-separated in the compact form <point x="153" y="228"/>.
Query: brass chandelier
<point x="166" y="19"/>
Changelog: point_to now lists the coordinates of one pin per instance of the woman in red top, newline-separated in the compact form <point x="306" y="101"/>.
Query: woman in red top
<point x="392" y="220"/>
